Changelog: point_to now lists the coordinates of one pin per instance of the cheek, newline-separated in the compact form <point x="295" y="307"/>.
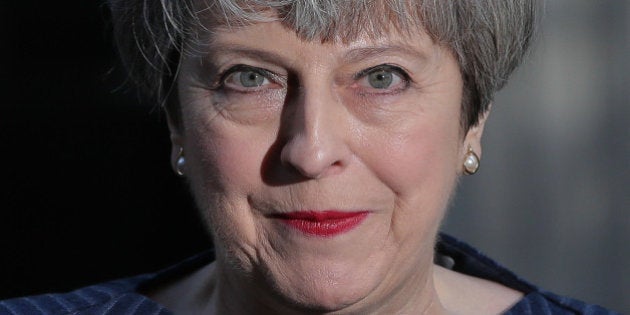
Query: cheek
<point x="228" y="150"/>
<point x="423" y="160"/>
<point x="419" y="166"/>
<point x="226" y="157"/>
<point x="224" y="169"/>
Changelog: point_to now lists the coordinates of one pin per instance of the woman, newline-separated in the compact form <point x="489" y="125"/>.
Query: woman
<point x="322" y="142"/>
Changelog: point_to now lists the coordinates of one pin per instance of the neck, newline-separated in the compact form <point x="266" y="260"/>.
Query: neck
<point x="235" y="295"/>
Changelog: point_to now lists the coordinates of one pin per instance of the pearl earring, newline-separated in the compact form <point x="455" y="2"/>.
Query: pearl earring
<point x="181" y="163"/>
<point x="471" y="162"/>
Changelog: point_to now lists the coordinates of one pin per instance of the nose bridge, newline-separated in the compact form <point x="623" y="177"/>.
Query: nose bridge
<point x="316" y="144"/>
<point x="315" y="110"/>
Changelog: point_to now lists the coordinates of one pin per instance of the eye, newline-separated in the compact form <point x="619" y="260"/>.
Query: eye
<point x="383" y="77"/>
<point x="246" y="78"/>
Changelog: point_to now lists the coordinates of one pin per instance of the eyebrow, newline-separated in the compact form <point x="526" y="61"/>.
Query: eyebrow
<point x="360" y="53"/>
<point x="244" y="51"/>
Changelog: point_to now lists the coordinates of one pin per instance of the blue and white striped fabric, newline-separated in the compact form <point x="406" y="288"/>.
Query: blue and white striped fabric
<point x="116" y="297"/>
<point x="123" y="297"/>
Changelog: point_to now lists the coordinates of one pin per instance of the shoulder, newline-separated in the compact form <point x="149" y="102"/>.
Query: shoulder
<point x="115" y="297"/>
<point x="123" y="296"/>
<point x="463" y="258"/>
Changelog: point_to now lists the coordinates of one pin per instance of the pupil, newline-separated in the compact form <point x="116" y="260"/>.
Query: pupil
<point x="380" y="79"/>
<point x="251" y="79"/>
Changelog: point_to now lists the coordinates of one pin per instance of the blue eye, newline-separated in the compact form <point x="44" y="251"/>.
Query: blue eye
<point x="380" y="79"/>
<point x="383" y="77"/>
<point x="246" y="79"/>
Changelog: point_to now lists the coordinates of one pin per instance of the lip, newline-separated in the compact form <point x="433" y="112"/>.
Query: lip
<point x="327" y="223"/>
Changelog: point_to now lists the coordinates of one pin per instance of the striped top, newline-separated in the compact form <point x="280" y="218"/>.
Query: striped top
<point x="122" y="297"/>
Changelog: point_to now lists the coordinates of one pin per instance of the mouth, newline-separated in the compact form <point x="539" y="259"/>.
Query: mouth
<point x="322" y="223"/>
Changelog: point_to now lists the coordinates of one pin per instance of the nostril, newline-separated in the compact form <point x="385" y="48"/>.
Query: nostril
<point x="305" y="172"/>
<point x="315" y="170"/>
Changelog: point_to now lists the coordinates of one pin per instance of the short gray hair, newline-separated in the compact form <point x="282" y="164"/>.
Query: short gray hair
<point x="488" y="37"/>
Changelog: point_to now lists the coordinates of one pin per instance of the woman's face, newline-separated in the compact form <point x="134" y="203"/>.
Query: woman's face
<point x="322" y="170"/>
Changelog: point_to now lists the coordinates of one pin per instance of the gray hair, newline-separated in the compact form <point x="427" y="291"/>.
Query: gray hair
<point x="488" y="37"/>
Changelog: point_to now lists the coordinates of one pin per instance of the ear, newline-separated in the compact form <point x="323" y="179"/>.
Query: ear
<point x="177" y="139"/>
<point x="473" y="136"/>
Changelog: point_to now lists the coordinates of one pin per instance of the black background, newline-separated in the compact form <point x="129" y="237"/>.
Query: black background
<point x="87" y="191"/>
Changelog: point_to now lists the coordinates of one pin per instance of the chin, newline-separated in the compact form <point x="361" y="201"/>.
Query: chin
<point x="325" y="289"/>
<point x="325" y="299"/>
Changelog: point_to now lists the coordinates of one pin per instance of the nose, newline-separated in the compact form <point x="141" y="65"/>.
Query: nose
<point x="317" y="134"/>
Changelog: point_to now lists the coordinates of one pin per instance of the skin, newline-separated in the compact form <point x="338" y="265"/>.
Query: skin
<point x="316" y="135"/>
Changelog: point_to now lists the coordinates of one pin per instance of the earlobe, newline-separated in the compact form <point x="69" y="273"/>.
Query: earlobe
<point x="178" y="161"/>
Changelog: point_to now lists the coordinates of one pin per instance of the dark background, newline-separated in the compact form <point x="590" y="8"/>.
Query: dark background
<point x="87" y="190"/>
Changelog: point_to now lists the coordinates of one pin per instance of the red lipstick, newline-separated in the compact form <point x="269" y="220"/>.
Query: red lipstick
<point x="323" y="223"/>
